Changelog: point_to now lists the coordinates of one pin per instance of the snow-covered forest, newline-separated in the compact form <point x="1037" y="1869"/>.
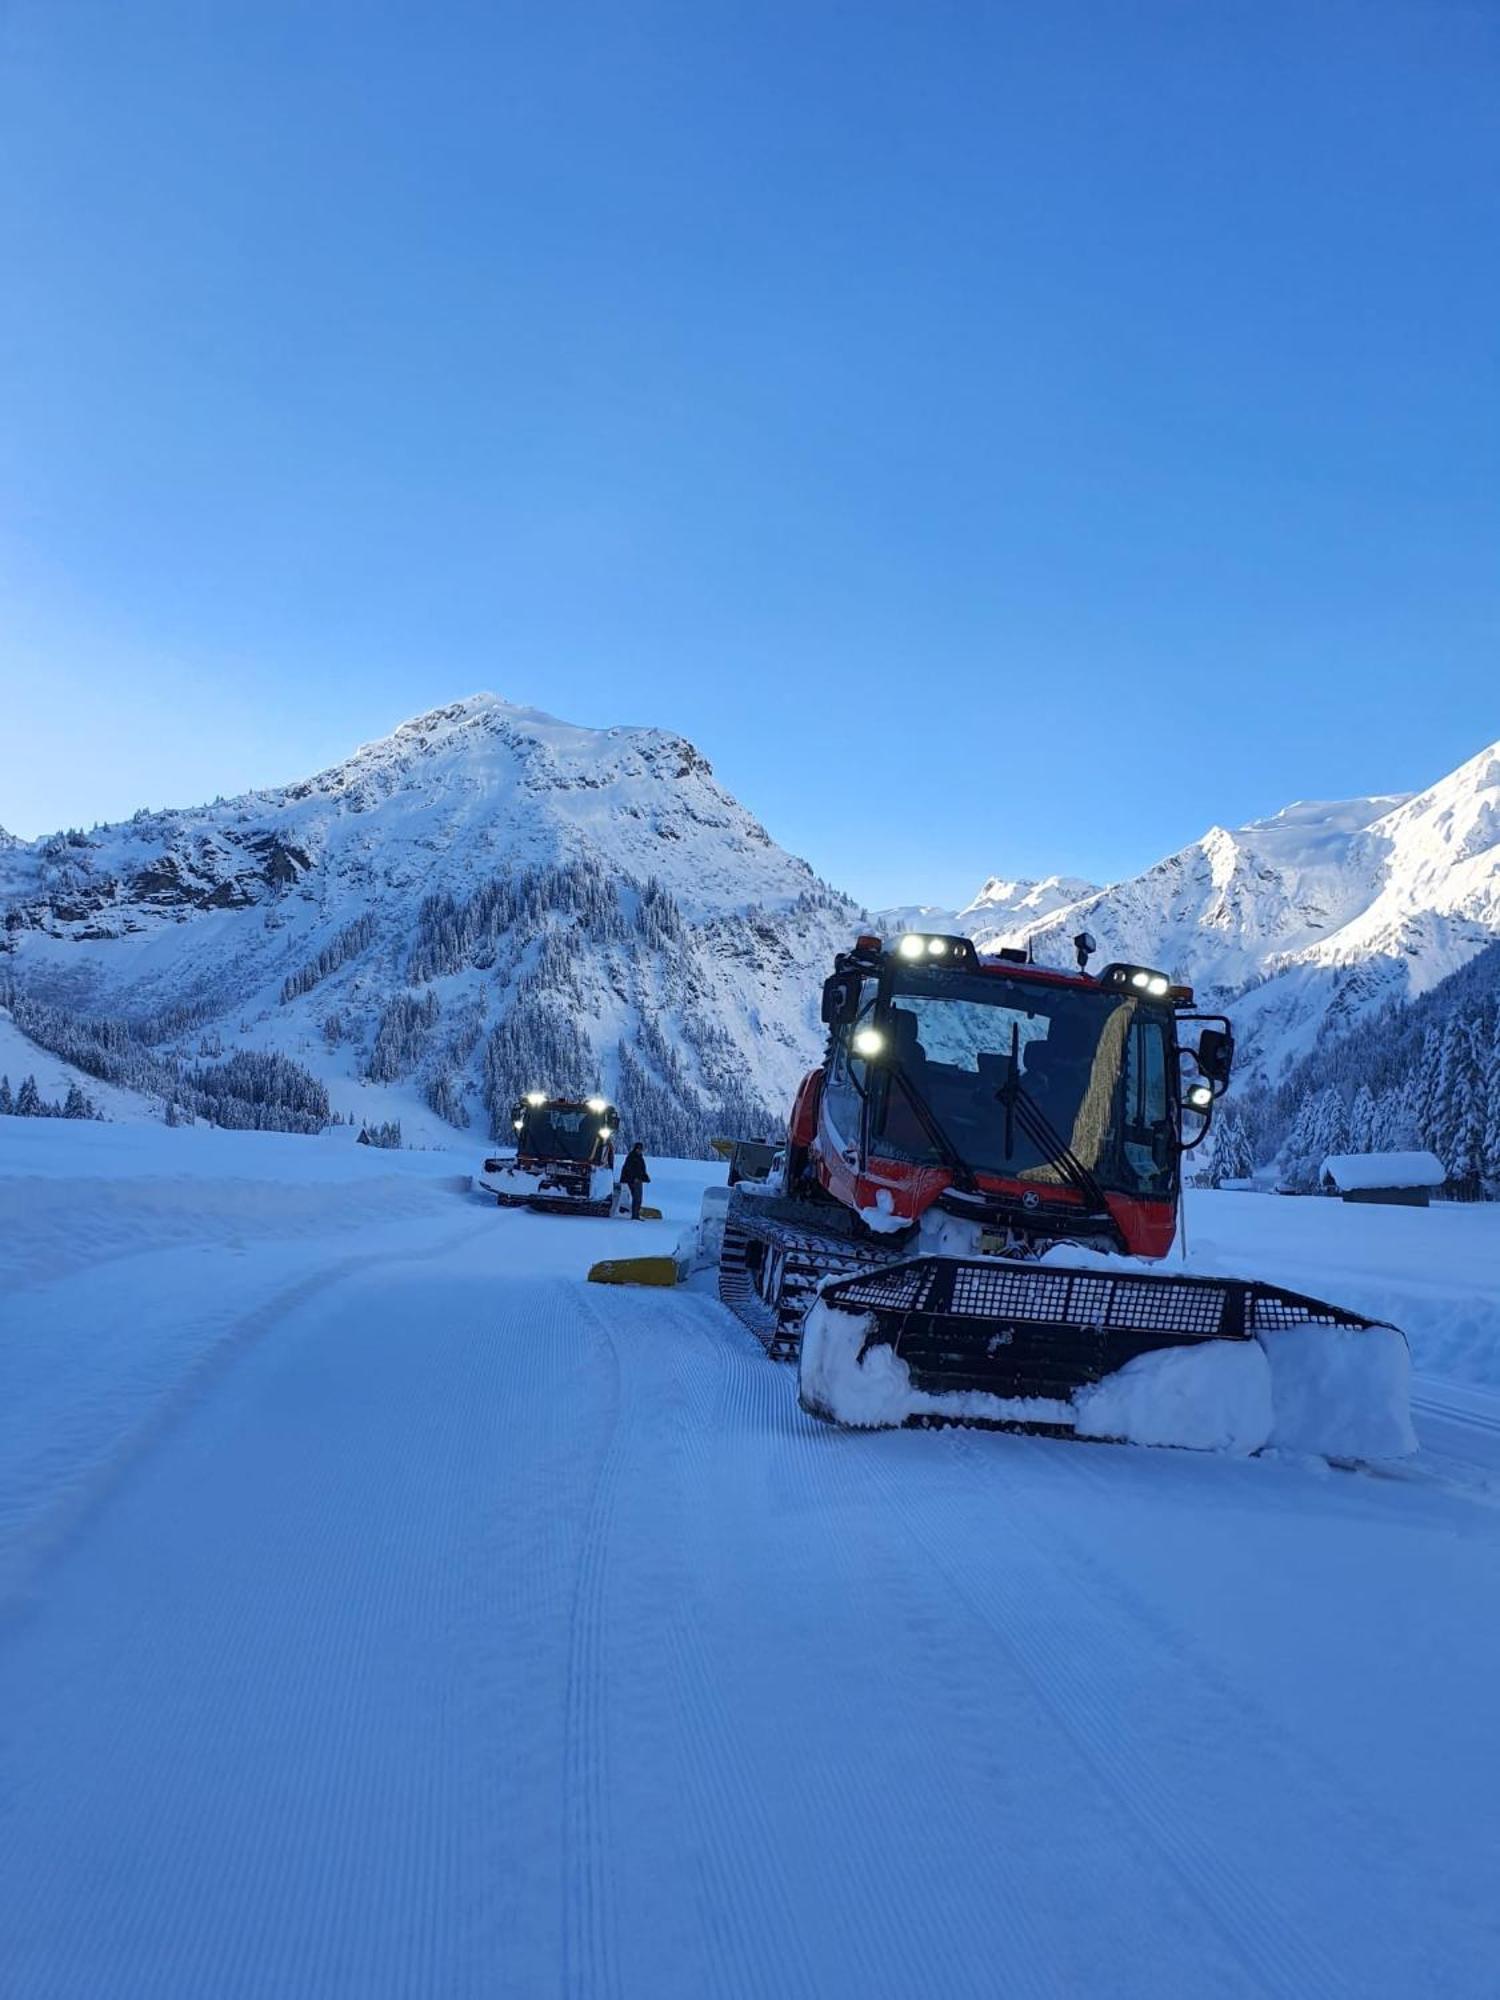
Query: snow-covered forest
<point x="1425" y="1075"/>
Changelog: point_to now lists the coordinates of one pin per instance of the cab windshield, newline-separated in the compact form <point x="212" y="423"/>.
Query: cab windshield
<point x="1094" y="1065"/>
<point x="553" y="1133"/>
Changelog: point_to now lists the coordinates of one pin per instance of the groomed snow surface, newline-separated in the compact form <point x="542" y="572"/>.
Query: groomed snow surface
<point x="384" y="1611"/>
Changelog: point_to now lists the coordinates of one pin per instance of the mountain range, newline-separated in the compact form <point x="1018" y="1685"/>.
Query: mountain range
<point x="490" y="899"/>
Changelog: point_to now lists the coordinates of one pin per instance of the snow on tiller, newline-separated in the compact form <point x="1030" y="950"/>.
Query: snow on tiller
<point x="1027" y="1330"/>
<point x="1212" y="1364"/>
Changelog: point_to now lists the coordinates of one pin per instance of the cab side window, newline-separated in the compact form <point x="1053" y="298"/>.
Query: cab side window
<point x="847" y="1074"/>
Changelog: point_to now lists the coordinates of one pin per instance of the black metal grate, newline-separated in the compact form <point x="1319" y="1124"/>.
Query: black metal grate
<point x="1085" y="1300"/>
<point x="1038" y="1296"/>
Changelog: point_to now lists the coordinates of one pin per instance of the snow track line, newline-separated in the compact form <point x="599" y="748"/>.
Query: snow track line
<point x="751" y="1946"/>
<point x="1352" y="1822"/>
<point x="50" y="1539"/>
<point x="1036" y="1620"/>
<point x="886" y="1951"/>
<point x="1453" y="1410"/>
<point x="590" y="1944"/>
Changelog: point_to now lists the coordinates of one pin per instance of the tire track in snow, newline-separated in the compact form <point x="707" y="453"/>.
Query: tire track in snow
<point x="836" y="1805"/>
<point x="748" y="1928"/>
<point x="590" y="1944"/>
<point x="1047" y="1633"/>
<point x="281" y="1804"/>
<point x="661" y="1429"/>
<point x="1236" y="1763"/>
<point x="49" y="1539"/>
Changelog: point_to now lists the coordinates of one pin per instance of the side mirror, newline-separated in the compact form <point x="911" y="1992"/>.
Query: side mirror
<point x="840" y="1000"/>
<point x="1216" y="1054"/>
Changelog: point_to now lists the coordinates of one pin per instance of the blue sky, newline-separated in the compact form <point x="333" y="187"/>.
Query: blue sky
<point x="1004" y="437"/>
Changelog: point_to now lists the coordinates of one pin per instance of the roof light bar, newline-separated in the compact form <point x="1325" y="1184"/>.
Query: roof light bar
<point x="1137" y="979"/>
<point x="915" y="947"/>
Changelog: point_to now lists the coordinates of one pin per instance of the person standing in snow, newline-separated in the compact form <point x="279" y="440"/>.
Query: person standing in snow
<point x="633" y="1175"/>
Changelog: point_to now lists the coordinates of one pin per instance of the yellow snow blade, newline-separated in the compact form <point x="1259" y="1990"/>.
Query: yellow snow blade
<point x="650" y="1214"/>
<point x="634" y="1271"/>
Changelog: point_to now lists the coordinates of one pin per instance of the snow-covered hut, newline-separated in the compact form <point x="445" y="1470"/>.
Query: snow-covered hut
<point x="1406" y="1178"/>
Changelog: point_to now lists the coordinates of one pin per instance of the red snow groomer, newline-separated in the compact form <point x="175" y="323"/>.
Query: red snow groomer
<point x="564" y="1162"/>
<point x="972" y="1114"/>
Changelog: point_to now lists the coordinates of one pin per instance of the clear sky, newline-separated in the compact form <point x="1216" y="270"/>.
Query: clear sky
<point x="1004" y="437"/>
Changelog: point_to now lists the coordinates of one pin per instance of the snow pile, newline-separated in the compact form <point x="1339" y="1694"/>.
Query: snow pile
<point x="880" y="1215"/>
<point x="1212" y="1397"/>
<point x="1341" y="1393"/>
<point x="876" y="1393"/>
<point x="1328" y="1391"/>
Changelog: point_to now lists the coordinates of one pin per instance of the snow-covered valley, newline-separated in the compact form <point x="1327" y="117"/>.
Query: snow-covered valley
<point x="386" y="1610"/>
<point x="489" y="893"/>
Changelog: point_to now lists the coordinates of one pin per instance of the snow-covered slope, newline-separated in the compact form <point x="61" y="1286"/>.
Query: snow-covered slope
<point x="1307" y="921"/>
<point x="596" y="889"/>
<point x="20" y="1057"/>
<point x="1003" y="909"/>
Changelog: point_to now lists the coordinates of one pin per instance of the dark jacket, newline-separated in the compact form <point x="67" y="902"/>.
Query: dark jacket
<point x="634" y="1172"/>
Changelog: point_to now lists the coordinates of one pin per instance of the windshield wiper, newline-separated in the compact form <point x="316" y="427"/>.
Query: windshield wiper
<point x="1019" y="1102"/>
<point x="962" y="1172"/>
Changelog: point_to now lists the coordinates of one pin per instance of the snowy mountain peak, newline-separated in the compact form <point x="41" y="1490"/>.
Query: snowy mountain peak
<point x="485" y="899"/>
<point x="1006" y="908"/>
<point x="479" y="785"/>
<point x="1307" y="920"/>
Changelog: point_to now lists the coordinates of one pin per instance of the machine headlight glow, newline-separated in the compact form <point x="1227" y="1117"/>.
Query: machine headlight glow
<point x="868" y="1041"/>
<point x="606" y="1131"/>
<point x="536" y="1097"/>
<point x="911" y="946"/>
<point x="518" y="1123"/>
<point x="937" y="947"/>
<point x="1200" y="1096"/>
<point x="1140" y="978"/>
<point x="597" y="1104"/>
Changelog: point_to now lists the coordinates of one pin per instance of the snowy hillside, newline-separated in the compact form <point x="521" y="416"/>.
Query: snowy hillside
<point x="486" y="899"/>
<point x="20" y="1057"/>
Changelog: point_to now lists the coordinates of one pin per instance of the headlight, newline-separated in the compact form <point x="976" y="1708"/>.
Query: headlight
<point x="518" y="1122"/>
<point x="868" y="1041"/>
<point x="606" y="1131"/>
<point x="911" y="946"/>
<point x="937" y="947"/>
<point x="598" y="1104"/>
<point x="1157" y="985"/>
<point x="1141" y="979"/>
<point x="1200" y="1097"/>
<point x="536" y="1097"/>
